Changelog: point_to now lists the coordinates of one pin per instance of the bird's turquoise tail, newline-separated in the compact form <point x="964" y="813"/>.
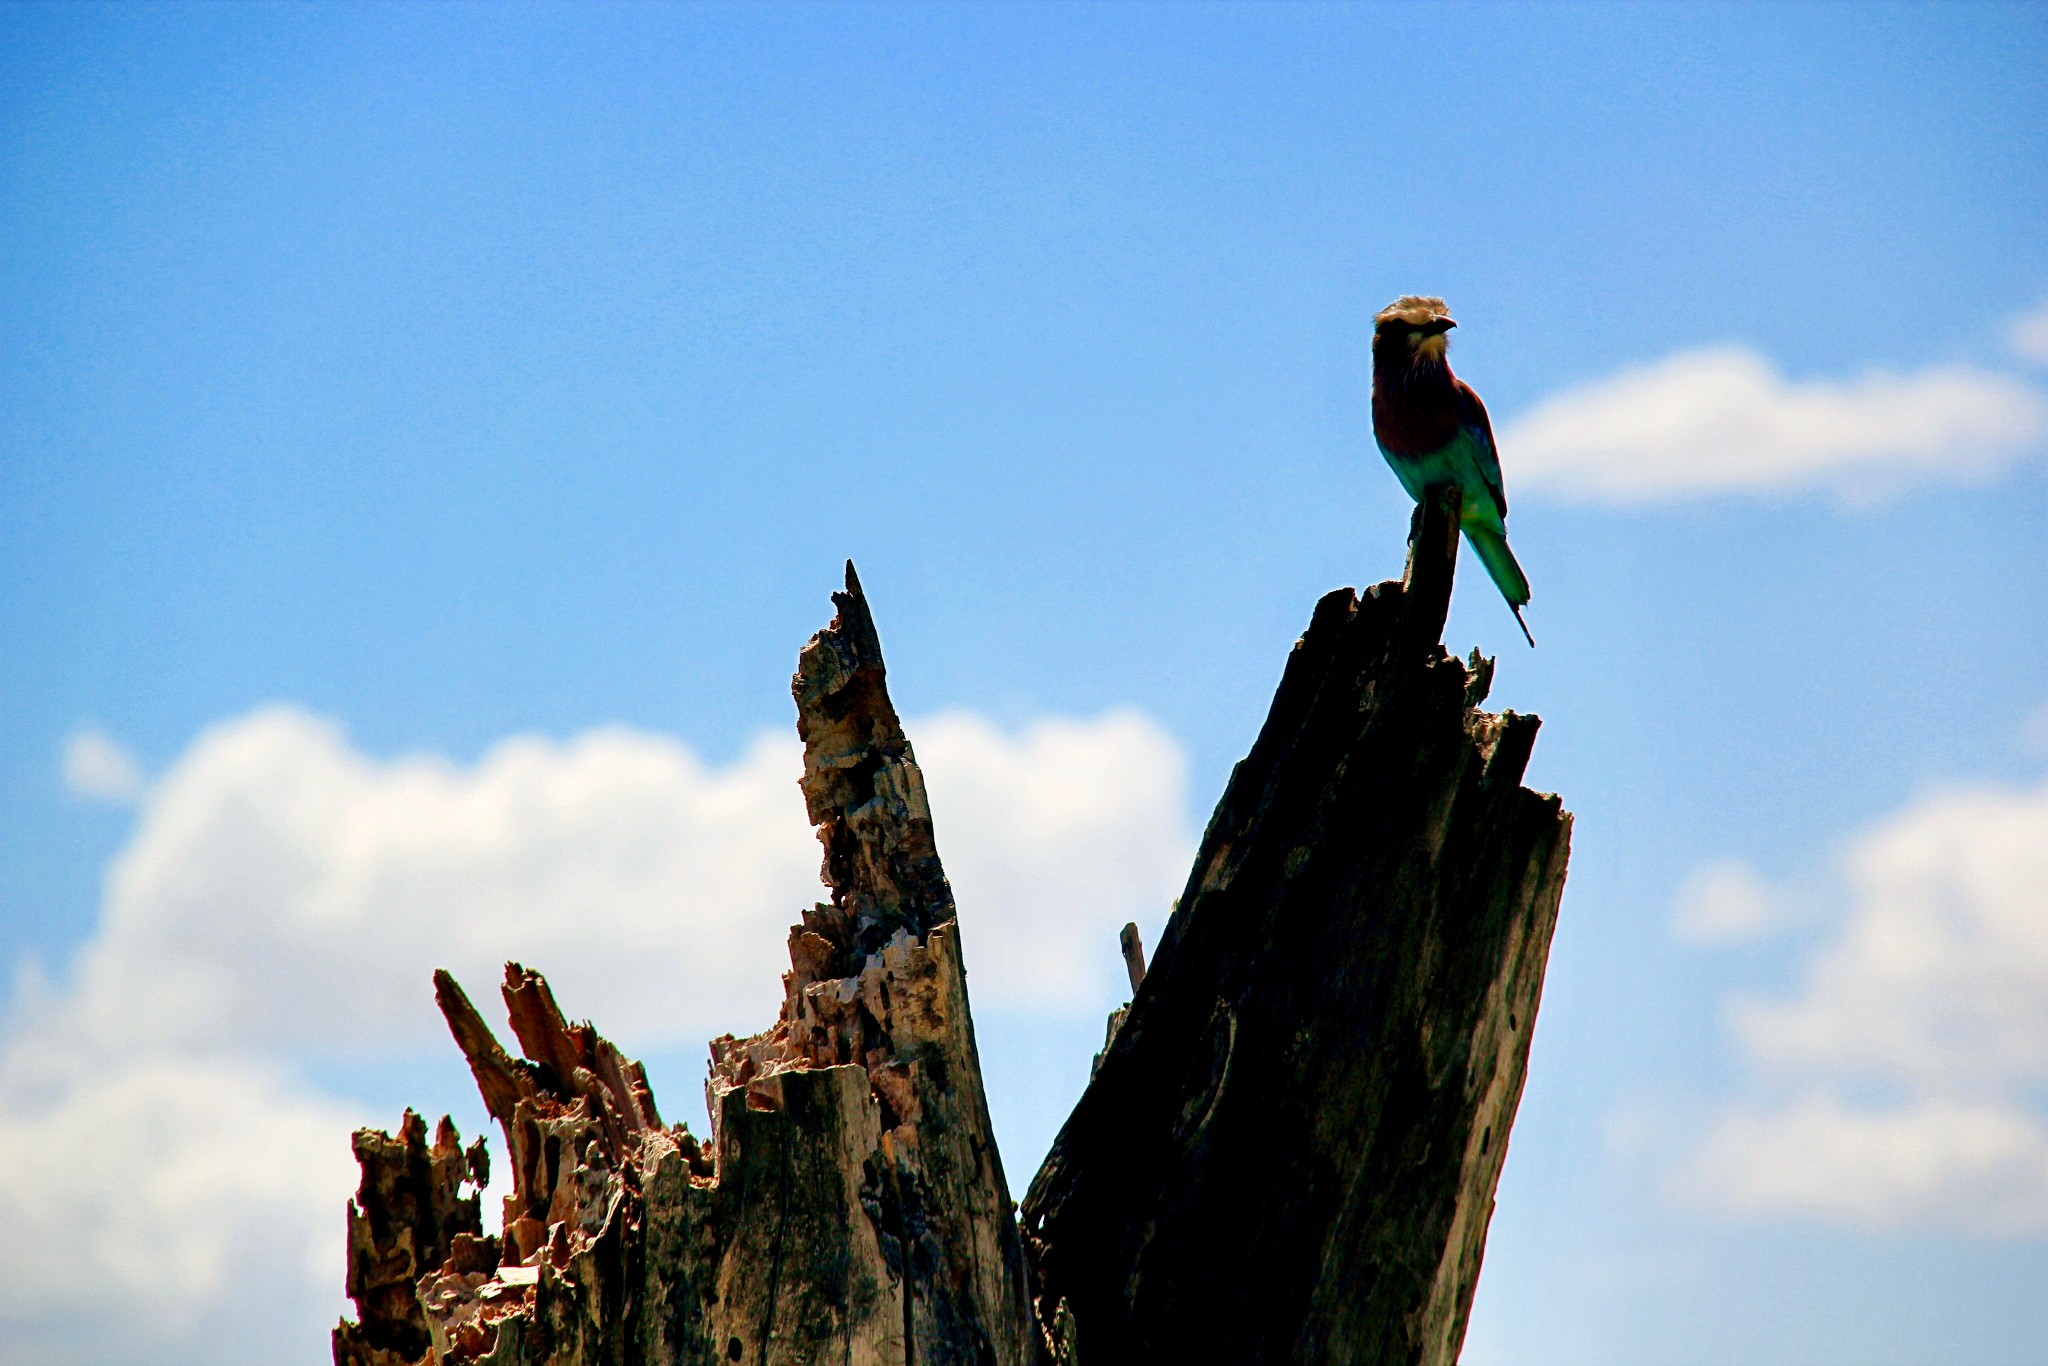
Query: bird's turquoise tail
<point x="1492" y="549"/>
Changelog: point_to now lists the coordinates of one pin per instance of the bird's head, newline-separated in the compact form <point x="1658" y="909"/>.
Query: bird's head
<point x="1410" y="329"/>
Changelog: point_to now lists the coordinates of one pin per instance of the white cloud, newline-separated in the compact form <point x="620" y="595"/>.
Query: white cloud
<point x="1724" y="420"/>
<point x="97" y="767"/>
<point x="149" y="1181"/>
<point x="282" y="885"/>
<point x="1054" y="839"/>
<point x="284" y="897"/>
<point x="1727" y="902"/>
<point x="1974" y="1168"/>
<point x="1940" y="976"/>
<point x="1934" y="993"/>
<point x="2028" y="336"/>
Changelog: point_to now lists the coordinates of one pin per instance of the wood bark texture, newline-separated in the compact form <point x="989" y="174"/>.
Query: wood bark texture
<point x="851" y="1206"/>
<point x="1289" y="1149"/>
<point x="1287" y="1152"/>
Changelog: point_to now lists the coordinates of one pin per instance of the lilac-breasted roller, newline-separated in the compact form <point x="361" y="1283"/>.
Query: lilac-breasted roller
<point x="1433" y="430"/>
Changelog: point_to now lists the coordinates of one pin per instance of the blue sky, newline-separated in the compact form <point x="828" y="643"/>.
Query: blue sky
<point x="454" y="374"/>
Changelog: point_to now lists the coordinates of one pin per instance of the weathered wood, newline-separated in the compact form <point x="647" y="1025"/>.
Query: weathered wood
<point x="877" y="982"/>
<point x="410" y="1218"/>
<point x="1289" y="1150"/>
<point x="851" y="1206"/>
<point x="1133" y="947"/>
<point x="1287" y="1153"/>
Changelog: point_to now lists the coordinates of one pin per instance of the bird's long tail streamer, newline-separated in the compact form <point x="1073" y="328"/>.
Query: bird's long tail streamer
<point x="1492" y="549"/>
<point x="1523" y="624"/>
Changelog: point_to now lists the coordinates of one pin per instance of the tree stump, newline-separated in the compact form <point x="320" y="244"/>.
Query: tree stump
<point x="1290" y="1148"/>
<point x="851" y="1204"/>
<point x="1288" y="1151"/>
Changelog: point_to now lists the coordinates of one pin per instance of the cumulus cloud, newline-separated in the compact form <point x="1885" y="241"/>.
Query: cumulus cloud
<point x="284" y="897"/>
<point x="1054" y="838"/>
<point x="1724" y="420"/>
<point x="2028" y="336"/>
<point x="1930" y="1006"/>
<point x="147" y="1182"/>
<point x="283" y="885"/>
<point x="1940" y="976"/>
<point x="98" y="768"/>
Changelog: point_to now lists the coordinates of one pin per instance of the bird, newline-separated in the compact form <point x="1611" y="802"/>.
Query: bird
<point x="1433" y="430"/>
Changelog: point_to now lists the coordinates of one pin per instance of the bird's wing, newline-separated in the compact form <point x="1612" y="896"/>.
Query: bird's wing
<point x="1472" y="416"/>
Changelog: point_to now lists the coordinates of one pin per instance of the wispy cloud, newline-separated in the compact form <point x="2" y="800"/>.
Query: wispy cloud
<point x="284" y="897"/>
<point x="1729" y="902"/>
<point x="2034" y="730"/>
<point x="2028" y="336"/>
<point x="1725" y="420"/>
<point x="1899" y="1085"/>
<point x="1929" y="1163"/>
<point x="99" y="768"/>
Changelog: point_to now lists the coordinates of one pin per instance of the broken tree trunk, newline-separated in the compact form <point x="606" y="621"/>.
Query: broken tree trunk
<point x="1288" y="1151"/>
<point x="850" y="1207"/>
<point x="1290" y="1148"/>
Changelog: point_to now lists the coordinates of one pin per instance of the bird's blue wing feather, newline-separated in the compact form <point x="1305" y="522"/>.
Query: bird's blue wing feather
<point x="1478" y="430"/>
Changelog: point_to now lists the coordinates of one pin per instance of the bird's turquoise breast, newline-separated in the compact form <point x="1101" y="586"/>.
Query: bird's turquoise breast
<point x="1444" y="465"/>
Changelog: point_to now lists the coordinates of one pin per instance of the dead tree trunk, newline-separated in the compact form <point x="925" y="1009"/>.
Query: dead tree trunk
<point x="1290" y="1149"/>
<point x="851" y="1206"/>
<point x="1288" y="1152"/>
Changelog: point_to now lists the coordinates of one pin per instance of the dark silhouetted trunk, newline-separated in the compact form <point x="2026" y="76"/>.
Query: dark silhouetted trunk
<point x="1289" y="1151"/>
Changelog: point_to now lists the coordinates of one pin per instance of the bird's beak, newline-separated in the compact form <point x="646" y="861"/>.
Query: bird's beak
<point x="1439" y="325"/>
